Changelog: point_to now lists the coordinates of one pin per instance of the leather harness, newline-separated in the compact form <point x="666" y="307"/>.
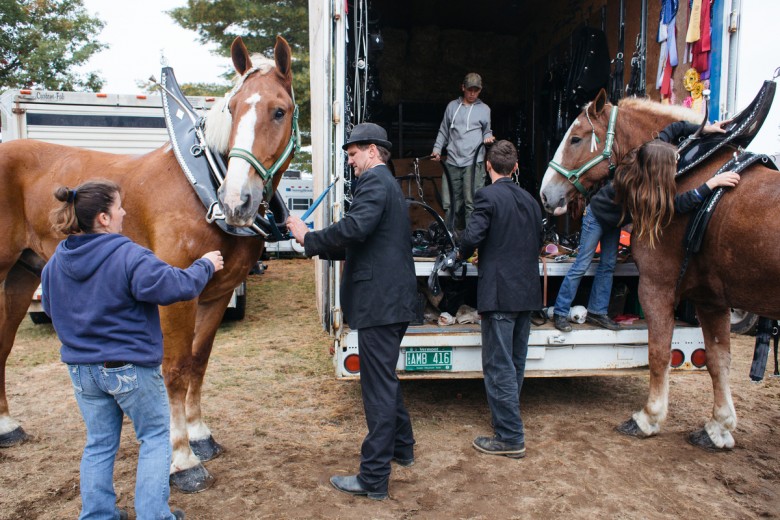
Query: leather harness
<point x="205" y="170"/>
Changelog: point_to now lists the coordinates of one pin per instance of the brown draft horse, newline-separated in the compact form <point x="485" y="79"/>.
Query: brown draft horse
<point x="737" y="266"/>
<point x="165" y="215"/>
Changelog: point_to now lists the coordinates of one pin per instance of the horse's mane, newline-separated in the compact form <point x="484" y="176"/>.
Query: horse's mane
<point x="218" y="119"/>
<point x="676" y="112"/>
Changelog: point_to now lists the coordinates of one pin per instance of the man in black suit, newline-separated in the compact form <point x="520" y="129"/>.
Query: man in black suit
<point x="378" y="295"/>
<point x="506" y="226"/>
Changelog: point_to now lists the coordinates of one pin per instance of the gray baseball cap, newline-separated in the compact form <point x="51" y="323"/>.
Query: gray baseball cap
<point x="472" y="80"/>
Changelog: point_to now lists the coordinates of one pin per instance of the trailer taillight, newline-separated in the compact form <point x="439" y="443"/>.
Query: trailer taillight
<point x="25" y="92"/>
<point x="140" y="96"/>
<point x="352" y="363"/>
<point x="677" y="358"/>
<point x="699" y="358"/>
<point x="101" y="95"/>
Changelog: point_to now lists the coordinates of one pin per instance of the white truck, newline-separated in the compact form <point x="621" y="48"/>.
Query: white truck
<point x="397" y="63"/>
<point x="115" y="123"/>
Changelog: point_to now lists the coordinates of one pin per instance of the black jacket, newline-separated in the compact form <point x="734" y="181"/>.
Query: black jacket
<point x="506" y="226"/>
<point x="375" y="236"/>
<point x="603" y="206"/>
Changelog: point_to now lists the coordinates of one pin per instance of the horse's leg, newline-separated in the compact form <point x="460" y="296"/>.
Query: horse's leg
<point x="658" y="306"/>
<point x="178" y="324"/>
<point x="716" y="434"/>
<point x="209" y="317"/>
<point x="15" y="295"/>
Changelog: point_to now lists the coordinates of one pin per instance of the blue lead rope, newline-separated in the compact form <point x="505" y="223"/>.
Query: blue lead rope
<point x="275" y="229"/>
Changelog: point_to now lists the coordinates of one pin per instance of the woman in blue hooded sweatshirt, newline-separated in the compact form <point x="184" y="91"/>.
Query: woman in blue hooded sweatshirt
<point x="101" y="291"/>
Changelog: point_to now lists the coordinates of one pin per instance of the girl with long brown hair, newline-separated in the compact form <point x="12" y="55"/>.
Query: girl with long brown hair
<point x="645" y="188"/>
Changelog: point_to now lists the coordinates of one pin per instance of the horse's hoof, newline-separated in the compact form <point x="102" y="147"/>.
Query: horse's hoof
<point x="192" y="480"/>
<point x="206" y="449"/>
<point x="13" y="438"/>
<point x="701" y="439"/>
<point x="630" y="428"/>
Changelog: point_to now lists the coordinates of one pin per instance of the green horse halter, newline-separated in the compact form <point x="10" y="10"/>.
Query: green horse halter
<point x="293" y="146"/>
<point x="573" y="176"/>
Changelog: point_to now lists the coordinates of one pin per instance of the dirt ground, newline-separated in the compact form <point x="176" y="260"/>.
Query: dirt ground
<point x="287" y="424"/>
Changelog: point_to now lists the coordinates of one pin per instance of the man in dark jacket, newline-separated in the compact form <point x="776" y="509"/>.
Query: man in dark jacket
<point x="378" y="295"/>
<point x="506" y="226"/>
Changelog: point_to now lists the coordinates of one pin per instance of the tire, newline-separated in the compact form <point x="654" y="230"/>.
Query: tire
<point x="743" y="322"/>
<point x="39" y="318"/>
<point x="238" y="312"/>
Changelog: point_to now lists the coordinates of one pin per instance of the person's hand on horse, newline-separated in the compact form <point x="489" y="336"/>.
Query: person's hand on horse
<point x="215" y="257"/>
<point x="716" y="127"/>
<point x="297" y="227"/>
<point x="725" y="179"/>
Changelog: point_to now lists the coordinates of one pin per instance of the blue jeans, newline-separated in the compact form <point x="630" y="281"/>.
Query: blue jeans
<point x="504" y="350"/>
<point x="591" y="234"/>
<point x="104" y="395"/>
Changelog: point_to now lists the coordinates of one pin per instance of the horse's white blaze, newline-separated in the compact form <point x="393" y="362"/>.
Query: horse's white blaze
<point x="197" y="430"/>
<point x="7" y="424"/>
<point x="238" y="169"/>
<point x="553" y="193"/>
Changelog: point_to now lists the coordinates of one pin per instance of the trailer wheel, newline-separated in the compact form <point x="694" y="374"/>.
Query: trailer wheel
<point x="238" y="312"/>
<point x="743" y="322"/>
<point x="39" y="318"/>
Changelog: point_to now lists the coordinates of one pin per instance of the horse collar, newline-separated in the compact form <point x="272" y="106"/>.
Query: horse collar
<point x="573" y="176"/>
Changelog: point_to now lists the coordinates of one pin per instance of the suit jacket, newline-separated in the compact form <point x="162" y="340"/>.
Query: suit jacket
<point x="378" y="286"/>
<point x="506" y="226"/>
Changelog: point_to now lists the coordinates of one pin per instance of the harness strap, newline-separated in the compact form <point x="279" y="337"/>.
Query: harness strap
<point x="697" y="226"/>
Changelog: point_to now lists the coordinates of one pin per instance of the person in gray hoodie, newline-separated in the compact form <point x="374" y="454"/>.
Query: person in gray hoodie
<point x="465" y="126"/>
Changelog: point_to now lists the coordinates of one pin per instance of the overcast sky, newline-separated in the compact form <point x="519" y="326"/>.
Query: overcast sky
<point x="138" y="33"/>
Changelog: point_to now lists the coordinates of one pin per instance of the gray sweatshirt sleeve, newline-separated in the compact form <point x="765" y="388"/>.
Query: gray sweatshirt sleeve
<point x="443" y="137"/>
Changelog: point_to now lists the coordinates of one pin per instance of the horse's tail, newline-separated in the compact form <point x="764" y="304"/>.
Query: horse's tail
<point x="645" y="188"/>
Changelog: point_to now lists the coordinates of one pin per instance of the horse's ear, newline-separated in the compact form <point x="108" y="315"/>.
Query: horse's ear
<point x="598" y="103"/>
<point x="283" y="58"/>
<point x="241" y="60"/>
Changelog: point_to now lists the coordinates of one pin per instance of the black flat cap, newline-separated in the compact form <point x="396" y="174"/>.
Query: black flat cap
<point x="368" y="133"/>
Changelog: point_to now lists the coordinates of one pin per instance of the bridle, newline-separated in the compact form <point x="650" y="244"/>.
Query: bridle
<point x="573" y="176"/>
<point x="293" y="145"/>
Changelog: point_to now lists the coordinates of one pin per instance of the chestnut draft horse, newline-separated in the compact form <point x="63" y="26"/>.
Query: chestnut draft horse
<point x="165" y="215"/>
<point x="737" y="265"/>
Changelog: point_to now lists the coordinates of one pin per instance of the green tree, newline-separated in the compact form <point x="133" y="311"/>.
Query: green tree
<point x="258" y="22"/>
<point x="42" y="41"/>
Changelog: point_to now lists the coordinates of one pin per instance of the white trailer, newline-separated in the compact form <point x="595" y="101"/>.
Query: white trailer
<point x="114" y="123"/>
<point x="341" y="55"/>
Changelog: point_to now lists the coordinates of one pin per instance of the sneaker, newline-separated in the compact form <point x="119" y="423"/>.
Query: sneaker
<point x="561" y="323"/>
<point x="493" y="446"/>
<point x="178" y="514"/>
<point x="602" y="320"/>
<point x="123" y="515"/>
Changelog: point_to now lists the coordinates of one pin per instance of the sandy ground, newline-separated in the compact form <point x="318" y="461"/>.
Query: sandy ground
<point x="287" y="425"/>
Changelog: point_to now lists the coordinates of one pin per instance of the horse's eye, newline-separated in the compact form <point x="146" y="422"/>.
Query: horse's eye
<point x="575" y="140"/>
<point x="279" y="113"/>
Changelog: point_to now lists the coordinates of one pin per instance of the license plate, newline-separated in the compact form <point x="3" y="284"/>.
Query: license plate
<point x="428" y="358"/>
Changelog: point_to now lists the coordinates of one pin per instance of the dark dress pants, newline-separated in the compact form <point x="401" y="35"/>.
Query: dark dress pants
<point x="389" y="428"/>
<point x="504" y="352"/>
